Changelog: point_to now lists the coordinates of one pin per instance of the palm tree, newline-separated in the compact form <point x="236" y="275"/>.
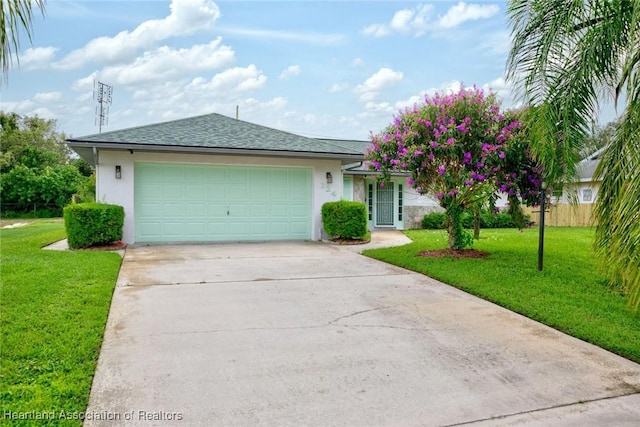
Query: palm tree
<point x="568" y="57"/>
<point x="16" y="17"/>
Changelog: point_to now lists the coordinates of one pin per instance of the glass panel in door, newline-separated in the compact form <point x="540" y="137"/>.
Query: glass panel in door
<point x="384" y="204"/>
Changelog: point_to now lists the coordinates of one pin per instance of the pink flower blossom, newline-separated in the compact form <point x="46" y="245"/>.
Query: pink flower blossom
<point x="441" y="170"/>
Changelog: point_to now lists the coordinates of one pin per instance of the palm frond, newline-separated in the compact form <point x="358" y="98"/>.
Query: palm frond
<point x="618" y="206"/>
<point x="17" y="17"/>
<point x="566" y="56"/>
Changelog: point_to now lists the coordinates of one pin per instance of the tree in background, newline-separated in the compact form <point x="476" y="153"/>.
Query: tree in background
<point x="565" y="59"/>
<point x="17" y="17"/>
<point x="599" y="137"/>
<point x="37" y="171"/>
<point x="462" y="150"/>
<point x="31" y="141"/>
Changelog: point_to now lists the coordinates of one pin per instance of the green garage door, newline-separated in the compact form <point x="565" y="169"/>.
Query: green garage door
<point x="207" y="203"/>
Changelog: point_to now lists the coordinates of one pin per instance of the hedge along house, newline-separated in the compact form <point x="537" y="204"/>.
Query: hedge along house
<point x="213" y="178"/>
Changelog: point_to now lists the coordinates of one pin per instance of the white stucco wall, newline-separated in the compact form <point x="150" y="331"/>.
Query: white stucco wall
<point x="578" y="190"/>
<point x="121" y="191"/>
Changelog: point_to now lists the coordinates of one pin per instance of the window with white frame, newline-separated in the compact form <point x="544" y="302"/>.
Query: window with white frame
<point x="587" y="195"/>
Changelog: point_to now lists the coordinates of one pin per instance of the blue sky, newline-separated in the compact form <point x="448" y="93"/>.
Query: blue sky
<point x="335" y="69"/>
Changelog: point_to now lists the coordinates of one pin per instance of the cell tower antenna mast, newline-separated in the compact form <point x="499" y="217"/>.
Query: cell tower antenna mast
<point x="102" y="95"/>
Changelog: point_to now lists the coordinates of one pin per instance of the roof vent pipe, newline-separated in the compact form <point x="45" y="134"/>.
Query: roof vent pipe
<point x="237" y="111"/>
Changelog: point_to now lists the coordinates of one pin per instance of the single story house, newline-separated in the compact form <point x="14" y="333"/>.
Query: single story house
<point x="213" y="178"/>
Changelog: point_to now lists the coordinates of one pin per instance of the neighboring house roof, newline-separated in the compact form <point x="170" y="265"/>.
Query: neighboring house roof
<point x="595" y="155"/>
<point x="586" y="169"/>
<point x="215" y="133"/>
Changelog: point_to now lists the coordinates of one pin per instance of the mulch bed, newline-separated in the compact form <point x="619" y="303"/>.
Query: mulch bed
<point x="340" y="241"/>
<point x="441" y="253"/>
<point x="115" y="246"/>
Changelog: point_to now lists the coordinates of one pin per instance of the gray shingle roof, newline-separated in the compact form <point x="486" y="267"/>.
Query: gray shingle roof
<point x="586" y="169"/>
<point x="218" y="133"/>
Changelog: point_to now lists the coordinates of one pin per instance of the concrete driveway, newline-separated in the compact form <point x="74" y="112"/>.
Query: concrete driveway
<point x="280" y="334"/>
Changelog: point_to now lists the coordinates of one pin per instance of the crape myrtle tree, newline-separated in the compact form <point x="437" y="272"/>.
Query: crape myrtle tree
<point x="460" y="149"/>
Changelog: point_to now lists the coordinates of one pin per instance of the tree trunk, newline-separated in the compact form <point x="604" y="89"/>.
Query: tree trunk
<point x="452" y="233"/>
<point x="454" y="227"/>
<point x="476" y="223"/>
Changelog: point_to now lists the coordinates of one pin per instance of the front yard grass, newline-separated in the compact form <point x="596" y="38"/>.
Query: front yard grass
<point x="569" y="294"/>
<point x="53" y="311"/>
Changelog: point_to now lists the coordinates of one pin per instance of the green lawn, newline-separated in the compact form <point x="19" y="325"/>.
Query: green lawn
<point x="569" y="294"/>
<point x="53" y="311"/>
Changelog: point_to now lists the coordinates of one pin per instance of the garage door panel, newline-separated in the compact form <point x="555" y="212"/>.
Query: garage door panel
<point x="238" y="212"/>
<point x="186" y="202"/>
<point x="217" y="176"/>
<point x="195" y="229"/>
<point x="153" y="191"/>
<point x="298" y="211"/>
<point x="217" y="229"/>
<point x="173" y="210"/>
<point x="238" y="192"/>
<point x="216" y="210"/>
<point x="197" y="210"/>
<point x="298" y="227"/>
<point x="257" y="193"/>
<point x="279" y="193"/>
<point x="150" y="210"/>
<point x="195" y="192"/>
<point x="279" y="228"/>
<point x="279" y="211"/>
<point x="195" y="174"/>
<point x="280" y="177"/>
<point x="173" y="192"/>
<point x="173" y="228"/>
<point x="151" y="229"/>
<point x="259" y="211"/>
<point x="216" y="192"/>
<point x="238" y="175"/>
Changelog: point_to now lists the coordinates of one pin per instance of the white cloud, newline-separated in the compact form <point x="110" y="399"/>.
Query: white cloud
<point x="414" y="21"/>
<point x="382" y="79"/>
<point x="232" y="80"/>
<point x="497" y="43"/>
<point x="292" y="70"/>
<point x="84" y="83"/>
<point x="409" y="103"/>
<point x="165" y="63"/>
<point x="37" y="58"/>
<point x="420" y="19"/>
<point x="338" y="87"/>
<point x="357" y="62"/>
<point x="463" y="12"/>
<point x="289" y="36"/>
<point x="47" y="97"/>
<point x="376" y="30"/>
<point x="504" y="91"/>
<point x="186" y="17"/>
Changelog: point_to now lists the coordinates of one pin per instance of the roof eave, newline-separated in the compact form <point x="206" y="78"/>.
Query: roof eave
<point x="372" y="173"/>
<point x="346" y="157"/>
